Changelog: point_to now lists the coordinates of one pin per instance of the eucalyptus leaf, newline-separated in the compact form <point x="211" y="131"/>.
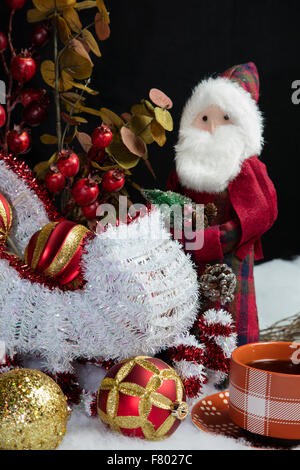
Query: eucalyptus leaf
<point x="35" y="16"/>
<point x="158" y="133"/>
<point x="48" y="74"/>
<point x="91" y="42"/>
<point x="164" y="118"/>
<point x="72" y="18"/>
<point x="75" y="64"/>
<point x="120" y="154"/>
<point x="48" y="139"/>
<point x="140" y="125"/>
<point x="103" y="11"/>
<point x="109" y="117"/>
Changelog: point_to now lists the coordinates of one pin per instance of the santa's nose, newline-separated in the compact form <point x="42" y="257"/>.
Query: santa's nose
<point x="212" y="126"/>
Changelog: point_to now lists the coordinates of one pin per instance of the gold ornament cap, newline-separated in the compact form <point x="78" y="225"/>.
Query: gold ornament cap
<point x="180" y="410"/>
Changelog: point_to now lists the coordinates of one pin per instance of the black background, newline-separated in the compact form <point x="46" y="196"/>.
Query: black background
<point x="172" y="45"/>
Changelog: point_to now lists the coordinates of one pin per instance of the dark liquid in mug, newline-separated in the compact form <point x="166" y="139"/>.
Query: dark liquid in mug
<point x="273" y="365"/>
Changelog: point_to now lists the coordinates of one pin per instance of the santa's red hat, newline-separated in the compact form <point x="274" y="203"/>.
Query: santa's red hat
<point x="236" y="91"/>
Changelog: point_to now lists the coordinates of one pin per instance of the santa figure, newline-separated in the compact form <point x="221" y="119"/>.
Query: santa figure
<point x="220" y="139"/>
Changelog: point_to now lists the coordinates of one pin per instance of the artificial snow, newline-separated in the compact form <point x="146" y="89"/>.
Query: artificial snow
<point x="277" y="289"/>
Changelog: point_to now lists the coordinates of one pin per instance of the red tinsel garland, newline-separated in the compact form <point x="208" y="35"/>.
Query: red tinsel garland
<point x="214" y="357"/>
<point x="193" y="386"/>
<point x="70" y="386"/>
<point x="97" y="362"/>
<point x="10" y="363"/>
<point x="185" y="353"/>
<point x="213" y="329"/>
<point x="22" y="170"/>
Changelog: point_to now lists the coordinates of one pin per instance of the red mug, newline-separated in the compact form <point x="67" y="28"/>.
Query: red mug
<point x="261" y="401"/>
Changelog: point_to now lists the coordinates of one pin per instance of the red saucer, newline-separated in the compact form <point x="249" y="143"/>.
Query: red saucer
<point x="211" y="414"/>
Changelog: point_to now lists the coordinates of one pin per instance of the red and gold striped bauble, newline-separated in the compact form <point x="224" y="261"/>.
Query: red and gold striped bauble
<point x="56" y="250"/>
<point x="5" y="219"/>
<point x="142" y="397"/>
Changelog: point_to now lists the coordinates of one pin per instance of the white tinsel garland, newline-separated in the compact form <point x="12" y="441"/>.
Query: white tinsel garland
<point x="29" y="214"/>
<point x="141" y="295"/>
<point x="141" y="292"/>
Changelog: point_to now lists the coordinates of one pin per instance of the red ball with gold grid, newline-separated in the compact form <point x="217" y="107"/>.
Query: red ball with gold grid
<point x="142" y="397"/>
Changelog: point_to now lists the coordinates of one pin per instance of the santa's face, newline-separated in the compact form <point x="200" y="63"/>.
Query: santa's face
<point x="210" y="150"/>
<point x="211" y="118"/>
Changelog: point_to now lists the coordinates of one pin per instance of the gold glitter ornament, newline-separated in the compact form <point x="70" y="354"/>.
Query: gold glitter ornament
<point x="33" y="411"/>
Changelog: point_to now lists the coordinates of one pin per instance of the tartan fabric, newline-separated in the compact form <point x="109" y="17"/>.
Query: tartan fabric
<point x="228" y="232"/>
<point x="261" y="403"/>
<point x="246" y="75"/>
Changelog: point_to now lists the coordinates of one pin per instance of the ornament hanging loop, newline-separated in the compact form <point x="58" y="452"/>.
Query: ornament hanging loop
<point x="180" y="410"/>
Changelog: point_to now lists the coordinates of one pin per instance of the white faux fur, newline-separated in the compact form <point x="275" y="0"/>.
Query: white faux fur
<point x="235" y="101"/>
<point x="239" y="141"/>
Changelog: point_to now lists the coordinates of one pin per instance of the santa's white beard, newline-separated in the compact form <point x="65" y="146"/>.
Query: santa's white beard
<point x="208" y="162"/>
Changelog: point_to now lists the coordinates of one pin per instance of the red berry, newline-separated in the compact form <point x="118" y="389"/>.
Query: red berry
<point x="102" y="137"/>
<point x="68" y="163"/>
<point x="2" y="116"/>
<point x="3" y="42"/>
<point x="55" y="181"/>
<point x="85" y="192"/>
<point x="113" y="181"/>
<point x="34" y="114"/>
<point x="96" y="155"/>
<point x="30" y="94"/>
<point x="40" y="35"/>
<point x="89" y="212"/>
<point x="15" y="4"/>
<point x="23" y="67"/>
<point x="18" y="141"/>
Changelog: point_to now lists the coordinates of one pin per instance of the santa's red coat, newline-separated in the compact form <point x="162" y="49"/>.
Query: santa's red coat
<point x="252" y="208"/>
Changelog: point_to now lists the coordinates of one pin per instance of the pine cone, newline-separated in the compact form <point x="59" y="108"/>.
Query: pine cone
<point x="210" y="213"/>
<point x="218" y="282"/>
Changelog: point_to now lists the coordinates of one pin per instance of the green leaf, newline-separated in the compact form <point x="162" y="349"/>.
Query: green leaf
<point x="48" y="139"/>
<point x="63" y="30"/>
<point x="85" y="4"/>
<point x="138" y="109"/>
<point x="48" y="5"/>
<point x="91" y="42"/>
<point x="81" y="86"/>
<point x="140" y="125"/>
<point x="158" y="133"/>
<point x="109" y="117"/>
<point x="80" y="119"/>
<point x="103" y="11"/>
<point x="35" y="16"/>
<point x="75" y="64"/>
<point x="164" y="118"/>
<point x="121" y="155"/>
<point x="72" y="18"/>
<point x="48" y="74"/>
<point x="42" y="168"/>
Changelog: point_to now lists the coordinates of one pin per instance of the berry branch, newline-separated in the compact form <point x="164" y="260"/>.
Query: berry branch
<point x="57" y="77"/>
<point x="81" y="179"/>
